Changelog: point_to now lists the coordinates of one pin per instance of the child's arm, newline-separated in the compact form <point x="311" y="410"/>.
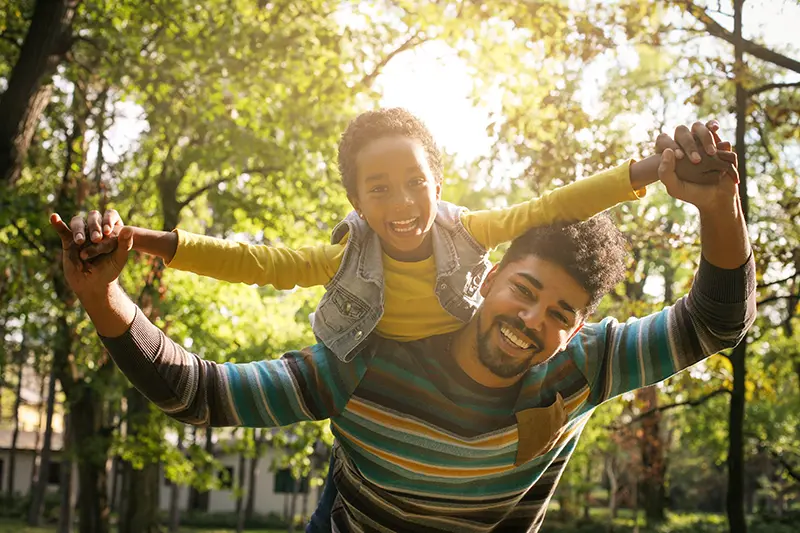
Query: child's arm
<point x="238" y="262"/>
<point x="577" y="201"/>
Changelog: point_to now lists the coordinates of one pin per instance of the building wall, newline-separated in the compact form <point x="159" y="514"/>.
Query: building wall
<point x="22" y="472"/>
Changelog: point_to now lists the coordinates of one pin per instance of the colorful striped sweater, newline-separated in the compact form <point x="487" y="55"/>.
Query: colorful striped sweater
<point x="422" y="447"/>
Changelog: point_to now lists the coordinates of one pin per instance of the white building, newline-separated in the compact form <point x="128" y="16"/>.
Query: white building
<point x="271" y="496"/>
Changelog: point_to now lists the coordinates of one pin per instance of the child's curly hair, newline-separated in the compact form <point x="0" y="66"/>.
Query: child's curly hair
<point x="374" y="125"/>
<point x="593" y="252"/>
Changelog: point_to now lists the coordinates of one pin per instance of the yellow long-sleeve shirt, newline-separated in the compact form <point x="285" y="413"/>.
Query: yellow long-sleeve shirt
<point x="411" y="310"/>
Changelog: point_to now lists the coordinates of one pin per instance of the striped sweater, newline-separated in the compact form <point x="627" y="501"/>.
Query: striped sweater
<point x="422" y="447"/>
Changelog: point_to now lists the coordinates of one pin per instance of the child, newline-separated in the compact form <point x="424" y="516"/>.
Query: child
<point x="404" y="263"/>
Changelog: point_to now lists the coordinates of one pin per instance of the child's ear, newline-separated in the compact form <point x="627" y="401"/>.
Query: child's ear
<point x="488" y="281"/>
<point x="439" y="191"/>
<point x="354" y="203"/>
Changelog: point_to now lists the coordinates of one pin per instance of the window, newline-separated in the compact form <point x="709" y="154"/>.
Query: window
<point x="284" y="482"/>
<point x="54" y="473"/>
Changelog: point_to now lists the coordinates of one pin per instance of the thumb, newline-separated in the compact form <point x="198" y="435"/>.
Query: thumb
<point x="124" y="245"/>
<point x="62" y="229"/>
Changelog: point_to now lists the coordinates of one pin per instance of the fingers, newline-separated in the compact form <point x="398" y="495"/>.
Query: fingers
<point x="78" y="227"/>
<point x="111" y="218"/>
<point x="706" y="137"/>
<point x="666" y="168"/>
<point x="62" y="229"/>
<point x="733" y="169"/>
<point x="107" y="245"/>
<point x="124" y="246"/>
<point x="724" y="146"/>
<point x="93" y="226"/>
<point x="687" y="142"/>
<point x="664" y="141"/>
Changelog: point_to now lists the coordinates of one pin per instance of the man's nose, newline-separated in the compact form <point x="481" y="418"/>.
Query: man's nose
<point x="533" y="317"/>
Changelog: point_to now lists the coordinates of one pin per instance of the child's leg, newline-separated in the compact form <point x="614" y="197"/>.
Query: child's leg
<point x="321" y="519"/>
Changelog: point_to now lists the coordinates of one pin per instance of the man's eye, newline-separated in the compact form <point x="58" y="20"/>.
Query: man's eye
<point x="560" y="318"/>
<point x="378" y="189"/>
<point x="417" y="182"/>
<point x="522" y="289"/>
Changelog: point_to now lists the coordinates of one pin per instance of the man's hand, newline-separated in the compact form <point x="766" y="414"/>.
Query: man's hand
<point x="92" y="277"/>
<point x="722" y="193"/>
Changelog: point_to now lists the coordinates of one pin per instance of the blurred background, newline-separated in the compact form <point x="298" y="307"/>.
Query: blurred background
<point x="223" y="117"/>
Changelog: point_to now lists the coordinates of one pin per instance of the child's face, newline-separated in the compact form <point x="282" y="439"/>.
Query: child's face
<point x="397" y="195"/>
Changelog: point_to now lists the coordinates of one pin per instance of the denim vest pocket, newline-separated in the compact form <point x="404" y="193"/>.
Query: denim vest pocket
<point x="339" y="309"/>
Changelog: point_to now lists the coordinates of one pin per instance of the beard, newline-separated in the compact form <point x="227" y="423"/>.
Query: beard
<point x="501" y="364"/>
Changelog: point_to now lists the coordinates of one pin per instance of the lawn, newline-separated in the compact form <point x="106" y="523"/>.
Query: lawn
<point x="13" y="526"/>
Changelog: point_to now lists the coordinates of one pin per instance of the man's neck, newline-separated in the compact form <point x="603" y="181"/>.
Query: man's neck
<point x="465" y="353"/>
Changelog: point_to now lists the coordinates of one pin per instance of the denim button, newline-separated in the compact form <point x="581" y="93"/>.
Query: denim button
<point x="359" y="334"/>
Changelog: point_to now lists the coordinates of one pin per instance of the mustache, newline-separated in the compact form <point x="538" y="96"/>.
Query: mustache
<point x="517" y="323"/>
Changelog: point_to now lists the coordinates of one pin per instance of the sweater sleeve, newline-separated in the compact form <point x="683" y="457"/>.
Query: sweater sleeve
<point x="715" y="314"/>
<point x="310" y="384"/>
<point x="283" y="268"/>
<point x="577" y="201"/>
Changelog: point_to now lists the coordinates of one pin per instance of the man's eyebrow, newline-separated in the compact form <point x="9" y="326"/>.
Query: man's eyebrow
<point x="566" y="307"/>
<point x="533" y="281"/>
<point x="414" y="168"/>
<point x="538" y="285"/>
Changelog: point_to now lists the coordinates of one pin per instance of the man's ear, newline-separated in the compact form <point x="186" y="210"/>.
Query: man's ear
<point x="488" y="281"/>
<point x="439" y="191"/>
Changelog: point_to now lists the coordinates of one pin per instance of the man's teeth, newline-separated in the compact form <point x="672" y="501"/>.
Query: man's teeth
<point x="513" y="339"/>
<point x="404" y="226"/>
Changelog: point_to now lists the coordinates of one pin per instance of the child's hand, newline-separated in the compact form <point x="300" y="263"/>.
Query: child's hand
<point x="103" y="239"/>
<point x="703" y="166"/>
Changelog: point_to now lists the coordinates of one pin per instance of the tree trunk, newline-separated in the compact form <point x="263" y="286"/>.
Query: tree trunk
<point x="37" y="450"/>
<point x="174" y="495"/>
<point x="203" y="497"/>
<point x="48" y="39"/>
<point x="66" y="517"/>
<point x="141" y="513"/>
<point x="587" y="479"/>
<point x="613" y="487"/>
<point x="40" y="487"/>
<point x="653" y="463"/>
<point x="12" y="452"/>
<point x="253" y="477"/>
<point x="92" y="442"/>
<point x="736" y="474"/>
<point x="293" y="504"/>
<point x="241" y="484"/>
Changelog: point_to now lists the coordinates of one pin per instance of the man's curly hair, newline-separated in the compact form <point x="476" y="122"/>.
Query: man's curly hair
<point x="593" y="252"/>
<point x="374" y="125"/>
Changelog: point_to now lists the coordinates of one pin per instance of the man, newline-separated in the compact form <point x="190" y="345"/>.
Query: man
<point x="468" y="431"/>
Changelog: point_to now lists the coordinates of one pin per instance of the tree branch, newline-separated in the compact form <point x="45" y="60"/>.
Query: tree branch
<point x="215" y="183"/>
<point x="694" y="403"/>
<point x="777" y="282"/>
<point x="770" y="86"/>
<point x="776" y="298"/>
<point x="755" y="50"/>
<point x="415" y="40"/>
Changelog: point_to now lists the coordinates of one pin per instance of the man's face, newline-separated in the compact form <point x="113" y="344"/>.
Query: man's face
<point x="531" y="309"/>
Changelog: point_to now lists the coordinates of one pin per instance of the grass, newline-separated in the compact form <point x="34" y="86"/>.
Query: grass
<point x="15" y="526"/>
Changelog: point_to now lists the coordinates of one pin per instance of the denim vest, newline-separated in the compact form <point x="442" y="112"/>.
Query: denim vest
<point x="353" y="303"/>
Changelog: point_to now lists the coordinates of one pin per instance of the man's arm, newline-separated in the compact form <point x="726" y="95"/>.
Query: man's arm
<point x="302" y="385"/>
<point x="308" y="385"/>
<point x="715" y="315"/>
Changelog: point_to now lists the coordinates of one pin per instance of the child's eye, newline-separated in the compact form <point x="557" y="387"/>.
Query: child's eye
<point x="418" y="182"/>
<point x="378" y="189"/>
